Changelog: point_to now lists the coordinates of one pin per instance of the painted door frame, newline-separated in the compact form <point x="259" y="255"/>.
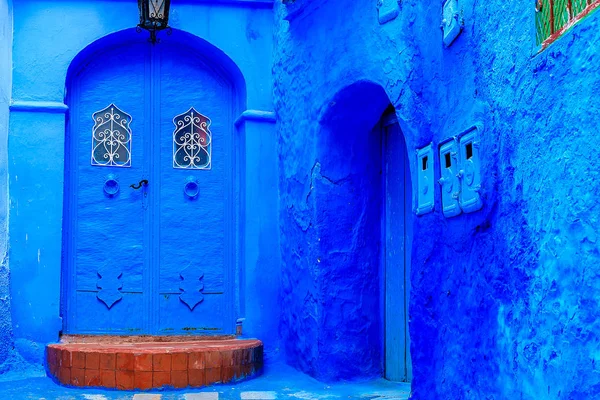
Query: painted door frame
<point x="234" y="194"/>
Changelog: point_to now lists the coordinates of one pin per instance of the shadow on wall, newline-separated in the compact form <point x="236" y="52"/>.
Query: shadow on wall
<point x="348" y="202"/>
<point x="343" y="244"/>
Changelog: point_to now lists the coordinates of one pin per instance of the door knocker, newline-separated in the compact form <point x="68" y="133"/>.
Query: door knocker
<point x="111" y="185"/>
<point x="143" y="182"/>
<point x="191" y="188"/>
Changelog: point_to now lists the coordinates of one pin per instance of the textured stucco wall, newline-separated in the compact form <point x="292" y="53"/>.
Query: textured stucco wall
<point x="240" y="32"/>
<point x="328" y="95"/>
<point x="504" y="302"/>
<point x="331" y="222"/>
<point x="5" y="88"/>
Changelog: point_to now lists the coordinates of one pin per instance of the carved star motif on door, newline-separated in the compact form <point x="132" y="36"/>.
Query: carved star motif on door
<point x="192" y="287"/>
<point x="109" y="284"/>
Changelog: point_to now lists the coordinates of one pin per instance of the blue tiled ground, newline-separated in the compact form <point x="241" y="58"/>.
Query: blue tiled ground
<point x="279" y="382"/>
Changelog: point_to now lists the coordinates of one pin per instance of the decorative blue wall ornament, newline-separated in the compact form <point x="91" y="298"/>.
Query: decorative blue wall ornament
<point x="451" y="21"/>
<point x="449" y="167"/>
<point x="192" y="141"/>
<point x="111" y="138"/>
<point x="425" y="180"/>
<point x="109" y="283"/>
<point x="470" y="171"/>
<point x="192" y="287"/>
<point x="111" y="185"/>
<point x="388" y="10"/>
<point x="191" y="188"/>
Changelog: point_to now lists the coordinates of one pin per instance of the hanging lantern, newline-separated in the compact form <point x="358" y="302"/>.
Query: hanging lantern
<point x="154" y="16"/>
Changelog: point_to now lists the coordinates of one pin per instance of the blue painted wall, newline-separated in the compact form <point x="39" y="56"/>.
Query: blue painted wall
<point x="331" y="224"/>
<point x="5" y="90"/>
<point x="504" y="301"/>
<point x="48" y="37"/>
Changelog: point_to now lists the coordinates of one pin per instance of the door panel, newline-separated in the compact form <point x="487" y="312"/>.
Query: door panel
<point x="194" y="245"/>
<point x="93" y="316"/>
<point x="397" y="207"/>
<point x="107" y="256"/>
<point x="176" y="318"/>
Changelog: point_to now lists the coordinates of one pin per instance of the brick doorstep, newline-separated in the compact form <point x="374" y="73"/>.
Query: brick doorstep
<point x="153" y="365"/>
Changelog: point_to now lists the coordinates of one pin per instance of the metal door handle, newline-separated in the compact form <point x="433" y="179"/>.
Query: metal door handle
<point x="143" y="182"/>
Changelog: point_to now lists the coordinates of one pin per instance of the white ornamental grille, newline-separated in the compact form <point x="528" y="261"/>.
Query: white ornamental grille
<point x="192" y="141"/>
<point x="111" y="138"/>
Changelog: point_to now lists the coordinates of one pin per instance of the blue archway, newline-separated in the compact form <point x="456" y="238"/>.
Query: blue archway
<point x="361" y="191"/>
<point x="212" y="54"/>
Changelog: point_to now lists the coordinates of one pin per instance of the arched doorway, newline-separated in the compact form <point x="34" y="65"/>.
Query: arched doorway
<point x="149" y="227"/>
<point x="360" y="189"/>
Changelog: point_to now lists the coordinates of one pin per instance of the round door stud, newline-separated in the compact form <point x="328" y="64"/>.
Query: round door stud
<point x="111" y="185"/>
<point x="191" y="188"/>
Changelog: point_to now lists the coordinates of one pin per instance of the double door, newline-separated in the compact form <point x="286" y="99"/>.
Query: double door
<point x="149" y="218"/>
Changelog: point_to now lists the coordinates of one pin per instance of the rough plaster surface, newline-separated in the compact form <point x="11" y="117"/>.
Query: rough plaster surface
<point x="504" y="302"/>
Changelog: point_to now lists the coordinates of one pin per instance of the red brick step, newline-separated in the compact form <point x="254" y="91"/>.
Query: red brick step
<point x="152" y="365"/>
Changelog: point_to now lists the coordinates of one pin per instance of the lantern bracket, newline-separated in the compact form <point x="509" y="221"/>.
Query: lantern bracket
<point x="154" y="17"/>
<point x="153" y="37"/>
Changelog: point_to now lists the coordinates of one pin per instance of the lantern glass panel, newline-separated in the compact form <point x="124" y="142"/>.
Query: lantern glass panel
<point x="157" y="9"/>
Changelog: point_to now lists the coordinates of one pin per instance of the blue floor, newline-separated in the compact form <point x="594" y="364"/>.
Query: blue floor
<point x="278" y="382"/>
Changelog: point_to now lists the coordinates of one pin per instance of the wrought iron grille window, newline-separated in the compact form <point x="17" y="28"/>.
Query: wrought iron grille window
<point x="192" y="141"/>
<point x="111" y="138"/>
<point x="554" y="17"/>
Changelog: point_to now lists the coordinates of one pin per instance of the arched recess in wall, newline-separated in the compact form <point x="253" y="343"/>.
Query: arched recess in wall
<point x="151" y="238"/>
<point x="364" y="222"/>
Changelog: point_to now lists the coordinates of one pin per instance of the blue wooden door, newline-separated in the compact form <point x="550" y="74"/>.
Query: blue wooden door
<point x="148" y="237"/>
<point x="397" y="243"/>
<point x="194" y="220"/>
